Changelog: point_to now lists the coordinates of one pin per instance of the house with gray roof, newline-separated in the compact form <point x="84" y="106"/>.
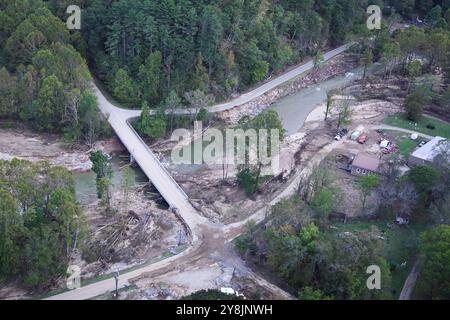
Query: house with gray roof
<point x="426" y="154"/>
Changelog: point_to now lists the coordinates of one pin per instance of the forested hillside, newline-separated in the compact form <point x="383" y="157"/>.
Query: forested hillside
<point x="43" y="79"/>
<point x="144" y="49"/>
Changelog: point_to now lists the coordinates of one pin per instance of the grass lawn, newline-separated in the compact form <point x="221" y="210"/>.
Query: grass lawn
<point x="404" y="142"/>
<point x="400" y="246"/>
<point x="442" y="128"/>
<point x="406" y="147"/>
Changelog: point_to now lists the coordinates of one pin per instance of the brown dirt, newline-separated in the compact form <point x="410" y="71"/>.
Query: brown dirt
<point x="141" y="232"/>
<point x="24" y="144"/>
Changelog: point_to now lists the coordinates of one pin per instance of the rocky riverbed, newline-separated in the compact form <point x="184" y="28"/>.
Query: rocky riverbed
<point x="335" y="67"/>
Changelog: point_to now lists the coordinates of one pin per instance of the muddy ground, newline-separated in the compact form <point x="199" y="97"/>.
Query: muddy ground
<point x="20" y="142"/>
<point x="136" y="233"/>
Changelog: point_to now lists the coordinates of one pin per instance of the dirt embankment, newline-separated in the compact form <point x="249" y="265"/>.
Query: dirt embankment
<point x="26" y="145"/>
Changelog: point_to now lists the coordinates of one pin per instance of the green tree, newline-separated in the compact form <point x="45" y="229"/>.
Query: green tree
<point x="9" y="235"/>
<point x="414" y="105"/>
<point x="324" y="202"/>
<point x="198" y="100"/>
<point x="91" y="123"/>
<point x="8" y="94"/>
<point x="200" y="75"/>
<point x="172" y="103"/>
<point x="319" y="59"/>
<point x="124" y="88"/>
<point x="344" y="112"/>
<point x="434" y="16"/>
<point x="247" y="180"/>
<point x="102" y="168"/>
<point x="367" y="185"/>
<point x="309" y="293"/>
<point x="435" y="258"/>
<point x="150" y="75"/>
<point x="48" y="106"/>
<point x="41" y="225"/>
<point x="144" y="122"/>
<point x="268" y="120"/>
<point x="390" y="54"/>
<point x="424" y="179"/>
<point x="437" y="46"/>
<point x="158" y="125"/>
<point x="414" y="70"/>
<point x="203" y="115"/>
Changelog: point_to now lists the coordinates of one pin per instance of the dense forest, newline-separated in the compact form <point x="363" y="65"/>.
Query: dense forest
<point x="44" y="81"/>
<point x="161" y="52"/>
<point x="145" y="49"/>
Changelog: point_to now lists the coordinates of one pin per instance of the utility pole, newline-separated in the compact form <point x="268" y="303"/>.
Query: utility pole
<point x="116" y="277"/>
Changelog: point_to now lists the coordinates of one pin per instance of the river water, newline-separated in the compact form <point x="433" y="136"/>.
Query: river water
<point x="294" y="109"/>
<point x="85" y="186"/>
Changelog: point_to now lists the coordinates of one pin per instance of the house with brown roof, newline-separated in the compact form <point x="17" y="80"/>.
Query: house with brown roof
<point x="365" y="164"/>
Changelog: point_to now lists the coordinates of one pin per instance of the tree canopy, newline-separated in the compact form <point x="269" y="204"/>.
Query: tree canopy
<point x="44" y="77"/>
<point x="41" y="221"/>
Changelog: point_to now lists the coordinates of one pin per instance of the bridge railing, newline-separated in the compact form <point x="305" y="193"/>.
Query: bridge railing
<point x="157" y="160"/>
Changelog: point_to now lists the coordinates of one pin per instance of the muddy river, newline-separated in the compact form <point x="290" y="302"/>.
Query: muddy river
<point x="294" y="109"/>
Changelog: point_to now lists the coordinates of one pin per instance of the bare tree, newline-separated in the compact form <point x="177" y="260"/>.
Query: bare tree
<point x="345" y="113"/>
<point x="197" y="100"/>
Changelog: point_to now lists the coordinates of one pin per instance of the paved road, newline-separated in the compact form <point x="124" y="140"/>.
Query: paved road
<point x="119" y="120"/>
<point x="257" y="92"/>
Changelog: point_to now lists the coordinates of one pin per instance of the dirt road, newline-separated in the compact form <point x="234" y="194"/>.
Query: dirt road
<point x="410" y="282"/>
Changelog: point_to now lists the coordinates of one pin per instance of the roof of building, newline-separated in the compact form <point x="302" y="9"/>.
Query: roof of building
<point x="430" y="150"/>
<point x="365" y="161"/>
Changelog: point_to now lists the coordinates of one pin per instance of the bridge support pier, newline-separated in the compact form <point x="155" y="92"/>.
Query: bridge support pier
<point x="132" y="160"/>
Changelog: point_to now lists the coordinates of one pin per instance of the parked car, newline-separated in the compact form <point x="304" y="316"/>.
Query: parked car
<point x="357" y="133"/>
<point x="342" y="133"/>
<point x="362" y="139"/>
<point x="390" y="149"/>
